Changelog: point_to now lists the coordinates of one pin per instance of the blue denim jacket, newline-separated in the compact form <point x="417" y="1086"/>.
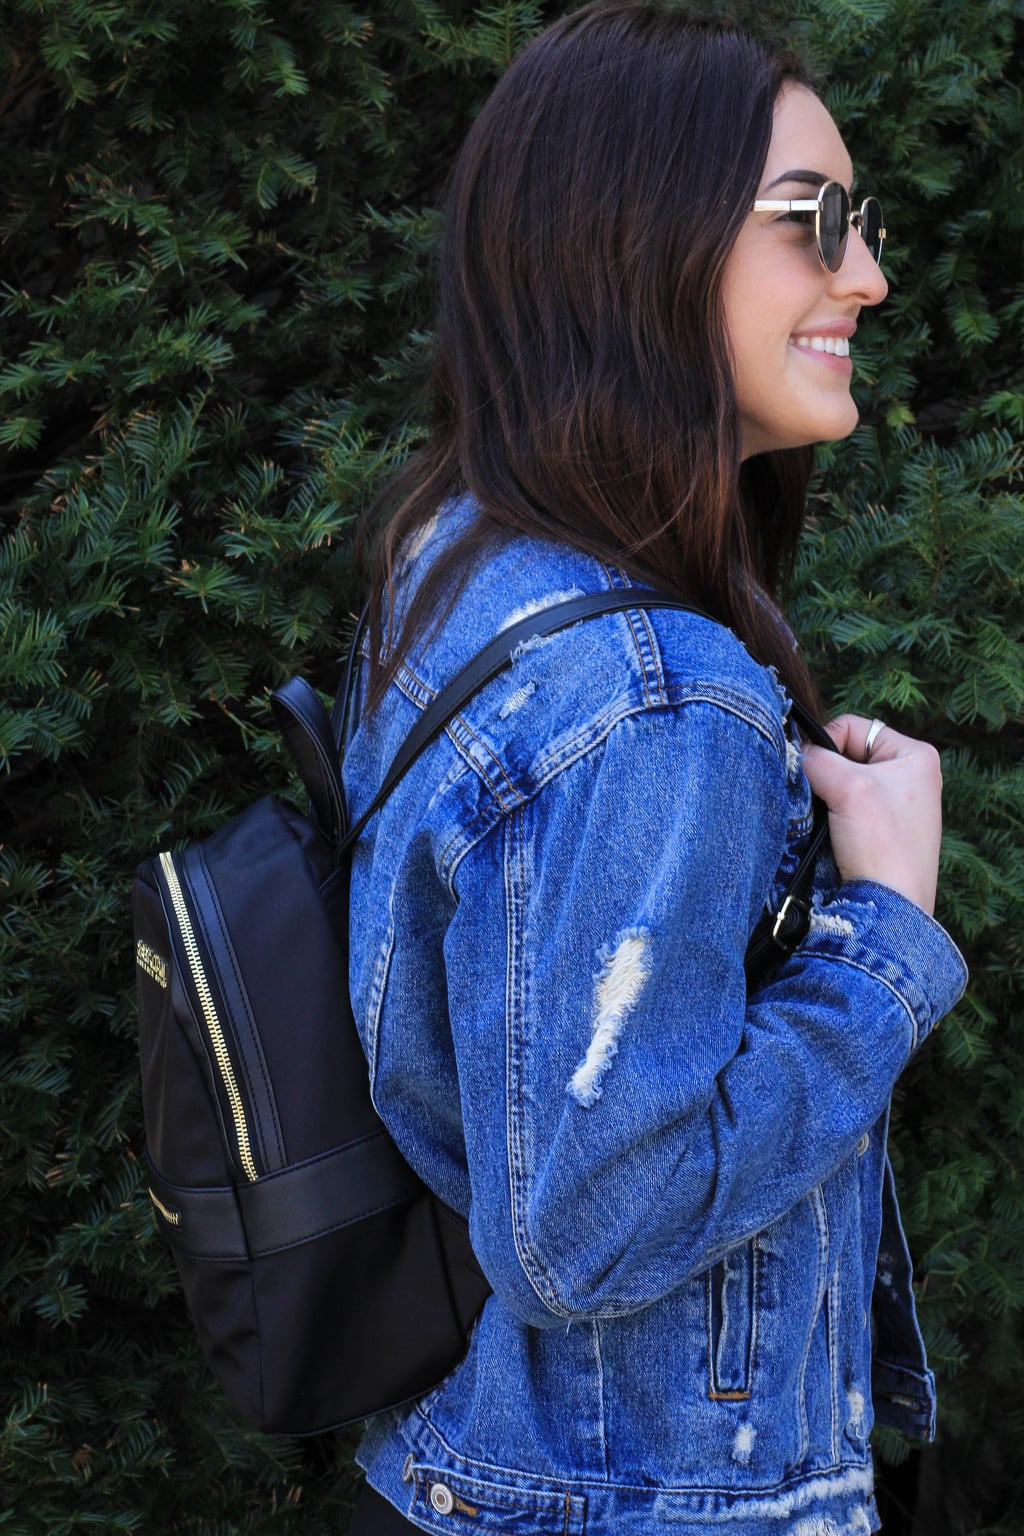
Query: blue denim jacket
<point x="679" y="1193"/>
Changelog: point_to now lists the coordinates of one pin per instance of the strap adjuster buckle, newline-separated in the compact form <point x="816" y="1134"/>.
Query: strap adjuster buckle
<point x="794" y="914"/>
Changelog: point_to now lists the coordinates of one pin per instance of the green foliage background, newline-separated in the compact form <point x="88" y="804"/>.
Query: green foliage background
<point x="217" y="225"/>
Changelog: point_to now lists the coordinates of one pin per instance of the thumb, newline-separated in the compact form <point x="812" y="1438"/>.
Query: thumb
<point x="844" y="729"/>
<point x="828" y="773"/>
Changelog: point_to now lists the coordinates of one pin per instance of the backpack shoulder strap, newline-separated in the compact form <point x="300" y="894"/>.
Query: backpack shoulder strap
<point x="496" y="656"/>
<point x="306" y="729"/>
<point x="488" y="663"/>
<point x="310" y="736"/>
<point x="313" y="739"/>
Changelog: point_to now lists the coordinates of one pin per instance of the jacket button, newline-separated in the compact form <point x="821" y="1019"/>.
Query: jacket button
<point x="442" y="1499"/>
<point x="863" y="1144"/>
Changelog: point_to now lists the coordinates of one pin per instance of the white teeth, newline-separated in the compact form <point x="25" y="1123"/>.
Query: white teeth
<point x="837" y="346"/>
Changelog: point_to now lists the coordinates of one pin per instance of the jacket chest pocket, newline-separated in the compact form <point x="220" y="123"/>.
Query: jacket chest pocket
<point x="732" y="1323"/>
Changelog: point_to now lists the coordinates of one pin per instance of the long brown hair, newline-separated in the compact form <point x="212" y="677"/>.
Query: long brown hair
<point x="581" y="386"/>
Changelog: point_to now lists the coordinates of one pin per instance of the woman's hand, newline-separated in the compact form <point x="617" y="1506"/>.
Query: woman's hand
<point x="885" y="816"/>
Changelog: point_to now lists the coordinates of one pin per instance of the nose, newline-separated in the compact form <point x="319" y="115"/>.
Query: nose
<point x="860" y="277"/>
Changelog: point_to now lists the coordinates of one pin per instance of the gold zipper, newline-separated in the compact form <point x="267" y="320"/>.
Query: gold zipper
<point x="202" y="986"/>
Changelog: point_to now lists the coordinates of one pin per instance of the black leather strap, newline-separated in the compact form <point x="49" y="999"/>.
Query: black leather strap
<point x="492" y="660"/>
<point x="307" y="733"/>
<point x="313" y="741"/>
<point x="496" y="656"/>
<point x="342" y="710"/>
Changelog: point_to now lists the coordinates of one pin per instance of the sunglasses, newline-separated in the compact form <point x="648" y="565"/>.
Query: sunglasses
<point x="833" y="220"/>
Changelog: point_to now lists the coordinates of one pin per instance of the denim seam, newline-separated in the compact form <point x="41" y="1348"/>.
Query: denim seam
<point x="466" y="836"/>
<point x="466" y="752"/>
<point x="904" y="1370"/>
<point x="648" y="659"/>
<point x="496" y="1493"/>
<point x="618" y="582"/>
<point x="699" y="1490"/>
<point x="867" y="968"/>
<point x="375" y="1001"/>
<point x="816" y="1202"/>
<point x="548" y="767"/>
<point x="515" y="987"/>
<point x="421" y="694"/>
<point x="755" y="1318"/>
<point x="603" y="1427"/>
<point x="414" y="688"/>
<point x="656" y="659"/>
<point x="834" y="1313"/>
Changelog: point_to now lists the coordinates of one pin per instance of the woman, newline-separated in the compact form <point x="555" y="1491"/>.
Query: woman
<point x="678" y="1191"/>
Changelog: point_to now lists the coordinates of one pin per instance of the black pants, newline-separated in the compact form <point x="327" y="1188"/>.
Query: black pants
<point x="374" y="1516"/>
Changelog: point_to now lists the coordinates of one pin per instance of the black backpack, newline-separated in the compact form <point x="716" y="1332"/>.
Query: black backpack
<point x="325" y="1280"/>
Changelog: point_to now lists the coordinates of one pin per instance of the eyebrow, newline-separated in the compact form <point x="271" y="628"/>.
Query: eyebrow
<point x="807" y="178"/>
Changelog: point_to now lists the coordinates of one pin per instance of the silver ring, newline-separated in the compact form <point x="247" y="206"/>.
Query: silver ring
<point x="877" y="726"/>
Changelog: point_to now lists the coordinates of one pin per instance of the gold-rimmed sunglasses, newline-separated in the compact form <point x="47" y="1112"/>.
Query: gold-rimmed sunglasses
<point x="833" y="219"/>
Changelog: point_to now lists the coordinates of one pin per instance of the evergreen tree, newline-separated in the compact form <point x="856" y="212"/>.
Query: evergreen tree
<point x="218" y="226"/>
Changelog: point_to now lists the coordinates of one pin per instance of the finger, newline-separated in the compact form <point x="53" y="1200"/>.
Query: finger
<point x="849" y="732"/>
<point x="828" y="774"/>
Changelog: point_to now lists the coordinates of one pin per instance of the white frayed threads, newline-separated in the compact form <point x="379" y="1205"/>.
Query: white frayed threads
<point x="793" y="758"/>
<point x="786" y="1505"/>
<point x="516" y="700"/>
<point x="416" y="542"/>
<point x="856" y="1524"/>
<point x="780" y="692"/>
<point x="538" y="605"/>
<point x="828" y="922"/>
<point x="743" y="1444"/>
<point x="617" y="988"/>
<point x="533" y="644"/>
<point x="856" y="1404"/>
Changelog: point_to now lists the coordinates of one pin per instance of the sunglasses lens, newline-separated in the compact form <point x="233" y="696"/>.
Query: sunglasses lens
<point x="871" y="226"/>
<point x="834" y="223"/>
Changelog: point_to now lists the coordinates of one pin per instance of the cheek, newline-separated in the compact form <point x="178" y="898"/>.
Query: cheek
<point x="760" y="358"/>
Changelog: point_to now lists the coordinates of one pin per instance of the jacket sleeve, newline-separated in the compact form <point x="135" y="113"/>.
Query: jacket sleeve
<point x="630" y="1115"/>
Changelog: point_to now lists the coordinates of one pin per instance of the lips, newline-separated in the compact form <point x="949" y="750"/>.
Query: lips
<point x="835" y="346"/>
<point x="827" y="348"/>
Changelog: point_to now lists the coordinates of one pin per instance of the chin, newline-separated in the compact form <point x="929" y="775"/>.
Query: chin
<point x="828" y="427"/>
<point x="800" y="429"/>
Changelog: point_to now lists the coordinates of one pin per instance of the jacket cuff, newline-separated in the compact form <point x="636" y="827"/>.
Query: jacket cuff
<point x="880" y="931"/>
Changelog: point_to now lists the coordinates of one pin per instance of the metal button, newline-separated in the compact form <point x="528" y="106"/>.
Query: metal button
<point x="863" y="1144"/>
<point x="442" y="1498"/>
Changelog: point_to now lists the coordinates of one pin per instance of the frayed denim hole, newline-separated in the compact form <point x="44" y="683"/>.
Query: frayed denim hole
<point x="857" y="1406"/>
<point x="743" y="1444"/>
<point x="517" y="699"/>
<point x="534" y="643"/>
<point x="415" y="544"/>
<point x="831" y="923"/>
<point x="618" y="986"/>
<point x="539" y="605"/>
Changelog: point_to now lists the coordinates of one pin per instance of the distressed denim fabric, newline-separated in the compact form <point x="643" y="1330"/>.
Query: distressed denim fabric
<point x="679" y="1193"/>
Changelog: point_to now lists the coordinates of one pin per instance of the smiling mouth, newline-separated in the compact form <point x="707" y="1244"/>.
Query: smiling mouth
<point x="835" y="346"/>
